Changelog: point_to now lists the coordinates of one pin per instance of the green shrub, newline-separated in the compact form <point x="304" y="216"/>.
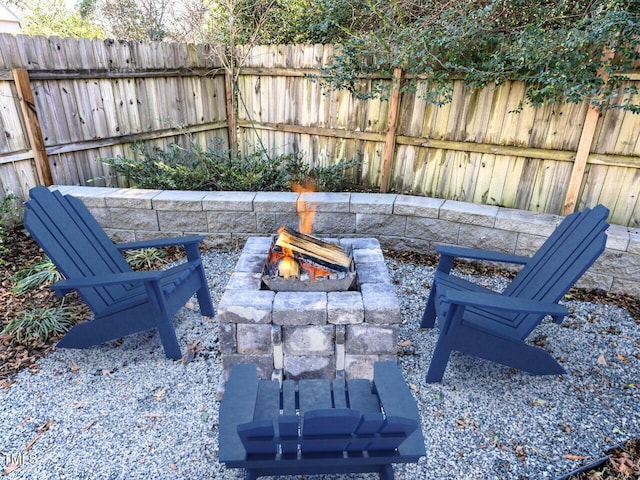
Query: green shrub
<point x="39" y="324"/>
<point x="42" y="272"/>
<point x="331" y="178"/>
<point x="194" y="168"/>
<point x="9" y="218"/>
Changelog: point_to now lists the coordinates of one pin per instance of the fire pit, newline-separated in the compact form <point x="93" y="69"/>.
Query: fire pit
<point x="307" y="333"/>
<point x="291" y="268"/>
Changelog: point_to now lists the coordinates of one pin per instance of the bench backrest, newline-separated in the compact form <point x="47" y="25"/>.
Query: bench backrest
<point x="326" y="431"/>
<point x="72" y="238"/>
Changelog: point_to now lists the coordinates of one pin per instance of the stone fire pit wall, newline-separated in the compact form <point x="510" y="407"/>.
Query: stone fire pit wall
<point x="295" y="335"/>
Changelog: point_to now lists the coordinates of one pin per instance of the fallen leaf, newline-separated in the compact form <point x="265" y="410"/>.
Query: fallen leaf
<point x="45" y="426"/>
<point x="414" y="387"/>
<point x="569" y="456"/>
<point x="520" y="453"/>
<point x="12" y="467"/>
<point x="462" y="422"/>
<point x="567" y="428"/>
<point x="152" y="415"/>
<point x="74" y="368"/>
<point x="190" y="352"/>
<point x="160" y="394"/>
<point x="601" y="360"/>
<point x="406" y="343"/>
<point x="173" y="466"/>
<point x="622" y="358"/>
<point x="42" y="429"/>
<point x="5" y="337"/>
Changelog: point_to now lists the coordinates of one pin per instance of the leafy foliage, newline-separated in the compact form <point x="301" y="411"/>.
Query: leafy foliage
<point x="145" y="257"/>
<point x="287" y="21"/>
<point x="558" y="48"/>
<point x="330" y="178"/>
<point x="55" y="17"/>
<point x="39" y="324"/>
<point x="194" y="168"/>
<point x="134" y="20"/>
<point x="9" y="217"/>
<point x="42" y="272"/>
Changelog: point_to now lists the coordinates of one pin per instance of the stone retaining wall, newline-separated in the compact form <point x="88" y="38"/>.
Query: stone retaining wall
<point x="400" y="222"/>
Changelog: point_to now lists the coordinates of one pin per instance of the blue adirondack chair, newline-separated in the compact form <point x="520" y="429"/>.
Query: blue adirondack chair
<point x="319" y="426"/>
<point x="480" y="322"/>
<point x="122" y="301"/>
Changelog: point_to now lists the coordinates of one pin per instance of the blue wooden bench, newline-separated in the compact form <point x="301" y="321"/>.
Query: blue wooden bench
<point x="122" y="301"/>
<point x="319" y="426"/>
<point x="494" y="326"/>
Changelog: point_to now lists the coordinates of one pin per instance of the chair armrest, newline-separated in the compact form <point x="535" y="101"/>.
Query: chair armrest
<point x="236" y="408"/>
<point x="149" y="277"/>
<point x="64" y="286"/>
<point x="396" y="400"/>
<point x="501" y="302"/>
<point x="161" y="242"/>
<point x="478" y="254"/>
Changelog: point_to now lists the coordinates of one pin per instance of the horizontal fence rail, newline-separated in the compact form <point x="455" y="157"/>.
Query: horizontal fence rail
<point x="94" y="98"/>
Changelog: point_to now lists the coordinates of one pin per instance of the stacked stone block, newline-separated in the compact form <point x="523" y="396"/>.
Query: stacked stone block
<point x="401" y="222"/>
<point x="309" y="334"/>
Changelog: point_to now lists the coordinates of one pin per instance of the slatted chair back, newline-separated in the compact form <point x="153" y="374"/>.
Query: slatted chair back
<point x="72" y="238"/>
<point x="328" y="431"/>
<point x="568" y="252"/>
<point x="316" y="426"/>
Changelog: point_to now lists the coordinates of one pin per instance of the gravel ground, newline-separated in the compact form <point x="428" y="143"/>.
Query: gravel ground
<point x="125" y="412"/>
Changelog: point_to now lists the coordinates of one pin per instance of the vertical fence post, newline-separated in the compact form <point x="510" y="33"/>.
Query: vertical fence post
<point x="584" y="148"/>
<point x="580" y="162"/>
<point x="34" y="132"/>
<point x="392" y="125"/>
<point x="231" y="113"/>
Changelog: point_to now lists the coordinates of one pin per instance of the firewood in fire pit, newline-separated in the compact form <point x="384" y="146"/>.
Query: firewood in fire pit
<point x="288" y="267"/>
<point x="313" y="247"/>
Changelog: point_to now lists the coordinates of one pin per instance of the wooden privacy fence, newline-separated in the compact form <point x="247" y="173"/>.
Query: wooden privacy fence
<point x="94" y="97"/>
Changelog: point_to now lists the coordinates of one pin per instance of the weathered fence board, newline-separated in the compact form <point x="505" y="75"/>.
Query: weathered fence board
<point x="95" y="97"/>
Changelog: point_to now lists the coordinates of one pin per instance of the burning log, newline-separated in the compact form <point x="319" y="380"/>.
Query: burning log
<point x="288" y="268"/>
<point x="327" y="254"/>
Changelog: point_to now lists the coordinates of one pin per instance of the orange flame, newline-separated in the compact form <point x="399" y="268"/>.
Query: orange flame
<point x="306" y="210"/>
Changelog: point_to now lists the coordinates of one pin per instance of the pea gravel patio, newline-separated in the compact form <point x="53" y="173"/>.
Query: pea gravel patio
<point x="126" y="412"/>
